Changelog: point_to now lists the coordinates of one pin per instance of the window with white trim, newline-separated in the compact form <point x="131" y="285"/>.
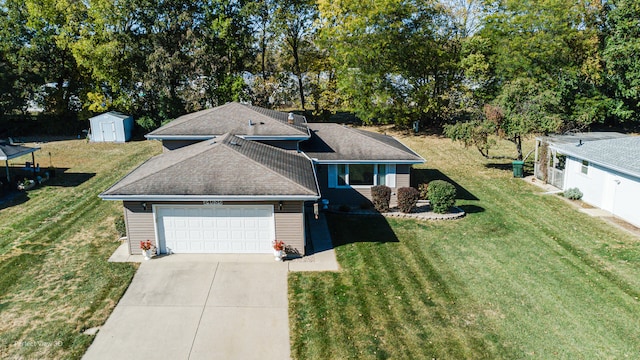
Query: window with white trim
<point x="361" y="175"/>
<point x="585" y="167"/>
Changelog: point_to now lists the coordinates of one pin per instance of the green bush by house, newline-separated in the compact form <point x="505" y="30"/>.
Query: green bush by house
<point x="442" y="196"/>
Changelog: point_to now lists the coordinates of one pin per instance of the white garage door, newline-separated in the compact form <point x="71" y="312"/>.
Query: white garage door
<point x="217" y="229"/>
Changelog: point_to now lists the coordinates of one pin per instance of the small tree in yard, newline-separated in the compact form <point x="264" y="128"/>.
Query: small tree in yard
<point x="381" y="195"/>
<point x="407" y="199"/>
<point x="442" y="196"/>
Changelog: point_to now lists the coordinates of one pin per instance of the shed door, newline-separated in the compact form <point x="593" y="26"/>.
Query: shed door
<point x="108" y="130"/>
<point x="217" y="229"/>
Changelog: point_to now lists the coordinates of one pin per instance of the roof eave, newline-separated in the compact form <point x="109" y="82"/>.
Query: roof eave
<point x="246" y="137"/>
<point x="596" y="162"/>
<point x="274" y="137"/>
<point x="317" y="161"/>
<point x="180" y="137"/>
<point x="208" y="197"/>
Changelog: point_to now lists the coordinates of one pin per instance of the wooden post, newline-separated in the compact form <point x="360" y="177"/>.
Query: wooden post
<point x="33" y="162"/>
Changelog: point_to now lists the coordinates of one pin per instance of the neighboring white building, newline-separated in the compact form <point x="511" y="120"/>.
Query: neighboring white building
<point x="607" y="172"/>
<point x="111" y="126"/>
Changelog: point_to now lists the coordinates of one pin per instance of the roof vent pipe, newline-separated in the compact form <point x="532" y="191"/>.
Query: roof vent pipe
<point x="290" y="118"/>
<point x="250" y="122"/>
<point x="580" y="142"/>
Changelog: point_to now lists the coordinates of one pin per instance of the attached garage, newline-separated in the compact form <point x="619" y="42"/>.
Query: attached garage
<point x="223" y="195"/>
<point x="245" y="229"/>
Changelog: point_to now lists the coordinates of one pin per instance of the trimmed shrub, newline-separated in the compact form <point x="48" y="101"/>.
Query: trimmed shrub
<point x="573" y="194"/>
<point x="381" y="196"/>
<point x="423" y="190"/>
<point x="442" y="196"/>
<point x="407" y="199"/>
<point x="121" y="228"/>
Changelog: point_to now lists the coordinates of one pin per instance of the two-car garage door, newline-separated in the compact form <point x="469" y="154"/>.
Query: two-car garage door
<point x="215" y="229"/>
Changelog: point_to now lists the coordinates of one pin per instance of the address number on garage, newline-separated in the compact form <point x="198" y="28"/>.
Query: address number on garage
<point x="212" y="202"/>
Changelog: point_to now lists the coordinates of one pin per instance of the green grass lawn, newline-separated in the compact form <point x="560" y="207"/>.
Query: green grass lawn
<point x="523" y="275"/>
<point x="55" y="280"/>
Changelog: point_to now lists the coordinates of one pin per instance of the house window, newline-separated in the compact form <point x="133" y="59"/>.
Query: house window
<point x="381" y="176"/>
<point x="361" y="174"/>
<point x="345" y="175"/>
<point x="585" y="167"/>
<point x="342" y="175"/>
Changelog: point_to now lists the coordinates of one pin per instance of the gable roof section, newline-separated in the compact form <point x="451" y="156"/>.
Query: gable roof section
<point x="226" y="167"/>
<point x="334" y="143"/>
<point x="111" y="114"/>
<point x="621" y="154"/>
<point x="233" y="118"/>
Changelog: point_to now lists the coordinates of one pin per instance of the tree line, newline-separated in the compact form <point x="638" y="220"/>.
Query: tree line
<point x="475" y="68"/>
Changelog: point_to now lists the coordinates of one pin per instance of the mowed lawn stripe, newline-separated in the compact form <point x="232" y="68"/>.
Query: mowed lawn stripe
<point x="55" y="280"/>
<point x="522" y="275"/>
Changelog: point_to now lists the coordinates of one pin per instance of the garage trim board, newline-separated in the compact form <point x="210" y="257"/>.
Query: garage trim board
<point x="233" y="229"/>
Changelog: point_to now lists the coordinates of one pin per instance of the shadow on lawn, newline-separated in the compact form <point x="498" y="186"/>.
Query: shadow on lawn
<point x="10" y="196"/>
<point x="471" y="209"/>
<point x="527" y="169"/>
<point x="347" y="229"/>
<point x="65" y="179"/>
<point x="419" y="176"/>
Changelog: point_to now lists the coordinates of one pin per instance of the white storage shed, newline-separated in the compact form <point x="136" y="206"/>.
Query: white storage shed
<point x="111" y="126"/>
<point x="607" y="172"/>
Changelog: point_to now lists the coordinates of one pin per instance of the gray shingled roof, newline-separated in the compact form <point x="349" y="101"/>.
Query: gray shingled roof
<point x="225" y="166"/>
<point x="621" y="154"/>
<point x="574" y="138"/>
<point x="233" y="118"/>
<point x="334" y="142"/>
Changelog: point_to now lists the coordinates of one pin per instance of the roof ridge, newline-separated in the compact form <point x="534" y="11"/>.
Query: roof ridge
<point x="263" y="165"/>
<point x="270" y="112"/>
<point x="364" y="133"/>
<point x="162" y="168"/>
<point x="186" y="117"/>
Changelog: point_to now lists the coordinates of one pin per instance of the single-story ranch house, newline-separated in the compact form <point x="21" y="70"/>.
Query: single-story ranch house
<point x="231" y="179"/>
<point x="607" y="172"/>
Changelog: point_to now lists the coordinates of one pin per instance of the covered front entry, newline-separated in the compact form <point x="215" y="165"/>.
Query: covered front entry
<point x="214" y="229"/>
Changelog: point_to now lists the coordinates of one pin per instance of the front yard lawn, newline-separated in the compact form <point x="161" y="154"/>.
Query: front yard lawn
<point x="55" y="280"/>
<point x="523" y="275"/>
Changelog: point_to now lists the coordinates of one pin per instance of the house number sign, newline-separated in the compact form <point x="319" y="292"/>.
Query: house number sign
<point x="212" y="202"/>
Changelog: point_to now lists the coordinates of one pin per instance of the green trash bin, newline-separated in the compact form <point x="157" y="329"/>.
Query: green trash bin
<point x="518" y="171"/>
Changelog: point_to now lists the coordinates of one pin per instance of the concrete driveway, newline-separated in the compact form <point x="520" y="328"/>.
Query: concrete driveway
<point x="200" y="307"/>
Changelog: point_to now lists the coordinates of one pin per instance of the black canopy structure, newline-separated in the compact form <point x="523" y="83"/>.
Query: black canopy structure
<point x="10" y="151"/>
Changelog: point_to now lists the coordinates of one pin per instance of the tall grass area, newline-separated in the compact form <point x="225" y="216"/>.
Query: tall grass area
<point x="55" y="241"/>
<point x="523" y="275"/>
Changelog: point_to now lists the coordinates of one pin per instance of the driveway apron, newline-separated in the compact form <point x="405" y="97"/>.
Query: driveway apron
<point x="181" y="309"/>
